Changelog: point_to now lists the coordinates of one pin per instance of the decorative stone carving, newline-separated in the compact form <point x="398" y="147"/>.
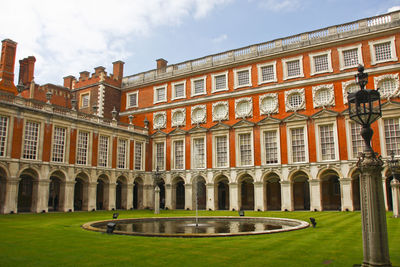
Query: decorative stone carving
<point x="178" y="117"/>
<point x="348" y="87"/>
<point x="269" y="104"/>
<point x="199" y="114"/>
<point x="394" y="78"/>
<point x="159" y="120"/>
<point x="220" y="111"/>
<point x="323" y="95"/>
<point x="295" y="100"/>
<point x="243" y="107"/>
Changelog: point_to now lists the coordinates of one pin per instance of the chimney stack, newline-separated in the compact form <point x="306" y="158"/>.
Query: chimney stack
<point x="68" y="81"/>
<point x="118" y="69"/>
<point x="7" y="64"/>
<point x="84" y="75"/>
<point x="26" y="70"/>
<point x="161" y="65"/>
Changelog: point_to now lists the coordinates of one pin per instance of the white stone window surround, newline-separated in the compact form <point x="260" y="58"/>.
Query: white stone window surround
<point x="5" y="125"/>
<point x="192" y="156"/>
<point x="141" y="163"/>
<point x="31" y="140"/>
<point x="213" y="76"/>
<point x="239" y="132"/>
<point x="178" y="117"/>
<point x="88" y="148"/>
<point x="341" y="58"/>
<point x="128" y="99"/>
<point x="236" y="78"/>
<point x="156" y="141"/>
<point x="290" y="93"/>
<point x="391" y="113"/>
<point x="220" y="111"/>
<point x="285" y="68"/>
<point x="381" y="41"/>
<point x="84" y="100"/>
<point x="198" y="114"/>
<point x="123" y="158"/>
<point x="395" y="78"/>
<point x="214" y="148"/>
<point x="345" y="86"/>
<point x="173" y="97"/>
<point x="155" y="96"/>
<point x="248" y="101"/>
<point x="296" y="125"/>
<point x="40" y="140"/>
<point x="173" y="141"/>
<point x="349" y="138"/>
<point x="159" y="120"/>
<point x="323" y="122"/>
<point x="192" y="82"/>
<point x="269" y="128"/>
<point x="312" y="62"/>
<point x="107" y="155"/>
<point x="259" y="72"/>
<point x="57" y="147"/>
<point x="330" y="101"/>
<point x="269" y="103"/>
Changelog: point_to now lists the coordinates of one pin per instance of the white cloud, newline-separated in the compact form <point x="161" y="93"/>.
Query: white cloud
<point x="280" y="5"/>
<point x="68" y="36"/>
<point x="220" y="38"/>
<point x="393" y="8"/>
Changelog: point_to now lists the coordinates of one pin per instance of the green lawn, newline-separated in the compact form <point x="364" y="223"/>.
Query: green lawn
<point x="56" y="239"/>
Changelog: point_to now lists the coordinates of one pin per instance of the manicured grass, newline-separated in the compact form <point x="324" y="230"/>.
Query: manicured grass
<point x="56" y="239"/>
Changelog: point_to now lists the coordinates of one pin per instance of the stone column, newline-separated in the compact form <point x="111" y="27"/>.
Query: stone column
<point x="67" y="196"/>
<point x="148" y="196"/>
<point x="157" y="200"/>
<point x="385" y="196"/>
<point x="40" y="199"/>
<point x="11" y="196"/>
<point x="258" y="196"/>
<point x="375" y="238"/>
<point x="168" y="196"/>
<point x="286" y="195"/>
<point x="129" y="196"/>
<point x="395" y="197"/>
<point x="315" y="194"/>
<point x="188" y="197"/>
<point x="112" y="193"/>
<point x="233" y="196"/>
<point x="90" y="203"/>
<point x="210" y="197"/>
<point x="345" y="193"/>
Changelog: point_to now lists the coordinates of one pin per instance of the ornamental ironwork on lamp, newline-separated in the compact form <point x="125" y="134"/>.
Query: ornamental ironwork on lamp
<point x="393" y="164"/>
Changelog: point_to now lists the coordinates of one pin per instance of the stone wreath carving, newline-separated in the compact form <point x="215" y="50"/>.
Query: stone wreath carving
<point x="269" y="104"/>
<point x="220" y="111"/>
<point x="394" y="78"/>
<point x="295" y="100"/>
<point x="346" y="86"/>
<point x="198" y="114"/>
<point x="178" y="117"/>
<point x="243" y="107"/>
<point x="159" y="120"/>
<point x="323" y="95"/>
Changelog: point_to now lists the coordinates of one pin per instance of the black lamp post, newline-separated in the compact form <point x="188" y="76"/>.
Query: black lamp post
<point x="394" y="165"/>
<point x="364" y="109"/>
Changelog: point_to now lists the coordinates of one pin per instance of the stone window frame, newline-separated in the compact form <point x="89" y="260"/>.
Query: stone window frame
<point x="155" y="96"/>
<point x="126" y="154"/>
<point x="142" y="155"/>
<point x="273" y="110"/>
<point x="194" y="119"/>
<point x="345" y="86"/>
<point x="81" y="100"/>
<point x="40" y="140"/>
<point x="174" y="84"/>
<point x="323" y="122"/>
<point x="214" y="148"/>
<point x="88" y="147"/>
<point x="346" y="48"/>
<point x="241" y="100"/>
<point x="6" y="132"/>
<point x="236" y="77"/>
<point x="270" y="128"/>
<point x="157" y="125"/>
<point x="395" y="78"/>
<point x="296" y="125"/>
<point x="239" y="132"/>
<point x="214" y="114"/>
<point x="349" y="139"/>
<point x="213" y="76"/>
<point x="288" y="93"/>
<point x="312" y="62"/>
<point x="285" y="68"/>
<point x="381" y="41"/>
<point x="386" y="114"/>
<point x="155" y="163"/>
<point x="108" y="151"/>
<point x="193" y="80"/>
<point x="128" y="99"/>
<point x="259" y="72"/>
<point x="173" y="160"/>
<point x="331" y="100"/>
<point x="174" y="122"/>
<point x="192" y="157"/>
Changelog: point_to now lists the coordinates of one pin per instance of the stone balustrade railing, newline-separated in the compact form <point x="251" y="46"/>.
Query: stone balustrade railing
<point x="263" y="49"/>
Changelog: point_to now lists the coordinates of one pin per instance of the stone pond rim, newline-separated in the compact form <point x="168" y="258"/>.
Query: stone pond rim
<point x="287" y="225"/>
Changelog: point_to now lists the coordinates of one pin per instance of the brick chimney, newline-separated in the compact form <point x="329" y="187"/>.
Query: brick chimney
<point x="98" y="70"/>
<point x="83" y="75"/>
<point x="118" y="69"/>
<point x="26" y="70"/>
<point x="7" y="64"/>
<point x="68" y="81"/>
<point x="161" y="65"/>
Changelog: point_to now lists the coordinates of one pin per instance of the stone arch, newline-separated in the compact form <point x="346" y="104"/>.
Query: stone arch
<point x="3" y="183"/>
<point x="102" y="192"/>
<point x="330" y="189"/>
<point x="245" y="174"/>
<point x="81" y="191"/>
<point x="355" y="188"/>
<point x="300" y="190"/>
<point x="138" y="193"/>
<point x="121" y="193"/>
<point x="178" y="193"/>
<point x="57" y="188"/>
<point x="388" y="189"/>
<point x="27" y="191"/>
<point x="199" y="192"/>
<point x="221" y="192"/>
<point x="272" y="191"/>
<point x="246" y="192"/>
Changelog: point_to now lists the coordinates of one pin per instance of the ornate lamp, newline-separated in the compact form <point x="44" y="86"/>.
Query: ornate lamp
<point x="393" y="164"/>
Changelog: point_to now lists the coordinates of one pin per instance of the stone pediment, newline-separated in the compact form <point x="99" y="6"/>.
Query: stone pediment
<point x="390" y="105"/>
<point x="268" y="121"/>
<point x="220" y="127"/>
<point x="325" y="113"/>
<point x="177" y="131"/>
<point x="295" y="117"/>
<point x="198" y="129"/>
<point x="158" y="134"/>
<point x="243" y="124"/>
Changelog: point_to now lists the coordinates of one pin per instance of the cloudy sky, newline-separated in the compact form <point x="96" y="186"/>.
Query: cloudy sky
<point x="68" y="37"/>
